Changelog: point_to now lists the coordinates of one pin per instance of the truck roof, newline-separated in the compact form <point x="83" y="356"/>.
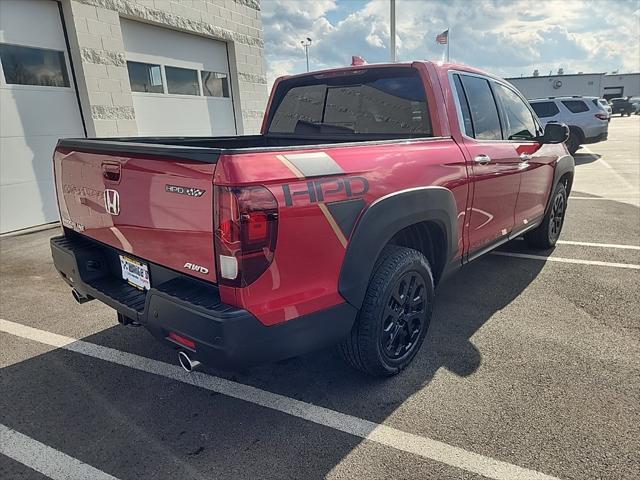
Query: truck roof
<point x="442" y="66"/>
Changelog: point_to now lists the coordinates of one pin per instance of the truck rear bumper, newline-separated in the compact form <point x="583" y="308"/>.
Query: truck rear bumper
<point x="225" y="337"/>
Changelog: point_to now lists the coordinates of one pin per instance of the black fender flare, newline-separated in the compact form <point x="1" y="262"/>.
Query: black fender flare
<point x="565" y="164"/>
<point x="381" y="221"/>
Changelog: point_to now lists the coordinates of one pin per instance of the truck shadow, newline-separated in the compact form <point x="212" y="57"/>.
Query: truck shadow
<point x="134" y="425"/>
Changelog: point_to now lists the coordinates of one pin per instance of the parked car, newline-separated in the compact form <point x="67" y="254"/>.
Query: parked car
<point x="622" y="106"/>
<point x="587" y="121"/>
<point x="602" y="102"/>
<point x="333" y="226"/>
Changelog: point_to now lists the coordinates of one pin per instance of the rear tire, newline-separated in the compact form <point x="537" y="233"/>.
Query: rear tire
<point x="573" y="143"/>
<point x="395" y="314"/>
<point x="547" y="233"/>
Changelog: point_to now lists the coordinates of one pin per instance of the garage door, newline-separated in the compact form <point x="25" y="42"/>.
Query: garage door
<point x="38" y="105"/>
<point x="180" y="82"/>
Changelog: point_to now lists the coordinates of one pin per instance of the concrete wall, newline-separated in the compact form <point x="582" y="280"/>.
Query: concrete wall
<point x="98" y="54"/>
<point x="630" y="83"/>
<point x="559" y="85"/>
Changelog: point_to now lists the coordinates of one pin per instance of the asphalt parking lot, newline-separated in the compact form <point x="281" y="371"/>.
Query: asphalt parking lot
<point x="531" y="369"/>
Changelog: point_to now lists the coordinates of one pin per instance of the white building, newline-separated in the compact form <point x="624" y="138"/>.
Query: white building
<point x="623" y="85"/>
<point x="586" y="84"/>
<point x="100" y="68"/>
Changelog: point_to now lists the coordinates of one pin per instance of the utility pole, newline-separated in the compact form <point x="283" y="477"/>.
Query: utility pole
<point x="392" y="47"/>
<point x="306" y="44"/>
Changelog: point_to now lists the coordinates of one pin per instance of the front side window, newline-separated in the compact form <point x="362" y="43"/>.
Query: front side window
<point x="145" y="77"/>
<point x="520" y="123"/>
<point x="182" y="81"/>
<point x="545" y="109"/>
<point x="386" y="101"/>
<point x="33" y="66"/>
<point x="215" y="84"/>
<point x="484" y="112"/>
<point x="576" y="106"/>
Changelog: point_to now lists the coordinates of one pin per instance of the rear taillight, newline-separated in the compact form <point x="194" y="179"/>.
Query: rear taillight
<point x="246" y="229"/>
<point x="602" y="116"/>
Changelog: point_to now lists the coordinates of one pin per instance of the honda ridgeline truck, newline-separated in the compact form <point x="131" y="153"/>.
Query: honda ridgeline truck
<point x="366" y="187"/>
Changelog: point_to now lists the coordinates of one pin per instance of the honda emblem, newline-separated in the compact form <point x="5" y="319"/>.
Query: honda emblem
<point x="112" y="202"/>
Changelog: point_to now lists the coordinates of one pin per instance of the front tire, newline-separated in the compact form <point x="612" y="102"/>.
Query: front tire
<point x="547" y="233"/>
<point x="395" y="314"/>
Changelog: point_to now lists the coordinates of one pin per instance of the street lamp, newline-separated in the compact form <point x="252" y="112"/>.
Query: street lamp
<point x="306" y="44"/>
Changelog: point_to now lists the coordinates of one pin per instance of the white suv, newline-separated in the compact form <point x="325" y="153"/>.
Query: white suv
<point x="586" y="118"/>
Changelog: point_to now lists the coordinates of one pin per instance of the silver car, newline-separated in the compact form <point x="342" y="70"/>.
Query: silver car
<point x="604" y="104"/>
<point x="587" y="119"/>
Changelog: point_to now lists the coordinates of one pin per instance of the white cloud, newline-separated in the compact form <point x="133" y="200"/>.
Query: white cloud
<point x="508" y="38"/>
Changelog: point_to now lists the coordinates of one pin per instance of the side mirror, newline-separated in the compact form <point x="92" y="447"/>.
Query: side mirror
<point x="555" y="133"/>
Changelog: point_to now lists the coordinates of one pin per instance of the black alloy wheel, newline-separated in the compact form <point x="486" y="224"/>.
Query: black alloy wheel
<point x="404" y="316"/>
<point x="557" y="217"/>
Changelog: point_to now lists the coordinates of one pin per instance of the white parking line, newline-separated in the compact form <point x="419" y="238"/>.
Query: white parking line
<point x="599" y="245"/>
<point x="609" y="199"/>
<point x="389" y="436"/>
<point x="44" y="459"/>
<point x="568" y="260"/>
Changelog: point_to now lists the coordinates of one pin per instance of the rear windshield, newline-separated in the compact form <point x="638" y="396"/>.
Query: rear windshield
<point x="381" y="101"/>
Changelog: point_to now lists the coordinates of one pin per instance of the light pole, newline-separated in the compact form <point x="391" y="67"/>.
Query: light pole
<point x="392" y="22"/>
<point x="306" y="46"/>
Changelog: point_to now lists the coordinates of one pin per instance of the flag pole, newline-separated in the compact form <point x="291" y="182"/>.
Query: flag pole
<point x="448" y="42"/>
<point x="392" y="17"/>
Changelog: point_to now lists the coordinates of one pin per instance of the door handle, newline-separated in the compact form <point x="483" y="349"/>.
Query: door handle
<point x="482" y="159"/>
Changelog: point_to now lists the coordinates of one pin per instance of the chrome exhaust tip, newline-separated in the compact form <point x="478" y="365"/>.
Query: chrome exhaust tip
<point x="186" y="362"/>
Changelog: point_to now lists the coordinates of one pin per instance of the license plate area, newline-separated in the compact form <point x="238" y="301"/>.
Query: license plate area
<point x="135" y="272"/>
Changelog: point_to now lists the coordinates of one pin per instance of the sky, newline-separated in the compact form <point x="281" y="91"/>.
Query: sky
<point x="507" y="38"/>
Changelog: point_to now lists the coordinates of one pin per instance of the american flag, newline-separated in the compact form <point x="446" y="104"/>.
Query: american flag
<point x="443" y="38"/>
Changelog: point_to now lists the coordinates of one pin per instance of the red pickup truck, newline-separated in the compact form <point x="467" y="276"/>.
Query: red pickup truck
<point x="366" y="187"/>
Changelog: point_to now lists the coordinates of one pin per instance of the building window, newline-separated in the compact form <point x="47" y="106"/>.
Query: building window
<point x="182" y="81"/>
<point x="215" y="84"/>
<point x="33" y="66"/>
<point x="145" y="77"/>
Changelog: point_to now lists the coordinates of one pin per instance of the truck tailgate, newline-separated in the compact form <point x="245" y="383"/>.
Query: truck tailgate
<point x="156" y="209"/>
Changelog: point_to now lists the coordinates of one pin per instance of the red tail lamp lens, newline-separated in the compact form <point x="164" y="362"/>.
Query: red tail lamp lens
<point x="246" y="229"/>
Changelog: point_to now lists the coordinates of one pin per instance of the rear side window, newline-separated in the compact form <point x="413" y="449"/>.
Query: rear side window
<point x="576" y="106"/>
<point x="482" y="105"/>
<point x="520" y="123"/>
<point x="389" y="101"/>
<point x="464" y="107"/>
<point x="545" y="109"/>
